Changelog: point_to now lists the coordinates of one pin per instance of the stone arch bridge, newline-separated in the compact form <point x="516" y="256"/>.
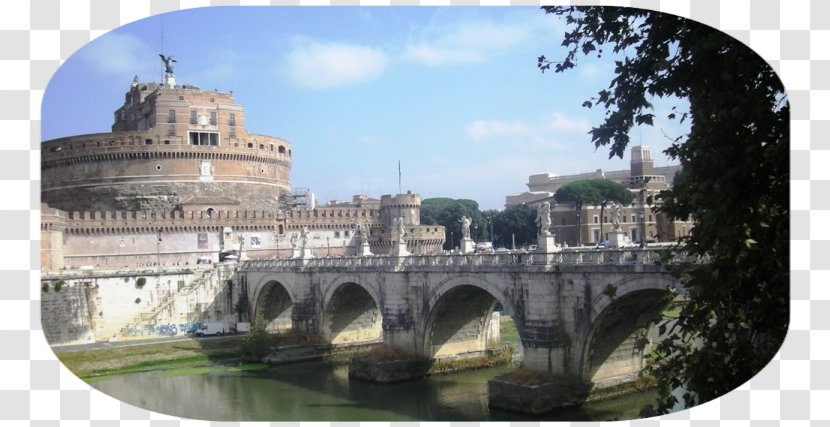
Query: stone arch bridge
<point x="588" y="313"/>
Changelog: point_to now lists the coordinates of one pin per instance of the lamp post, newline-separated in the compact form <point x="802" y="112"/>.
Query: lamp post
<point x="475" y="229"/>
<point x="452" y="241"/>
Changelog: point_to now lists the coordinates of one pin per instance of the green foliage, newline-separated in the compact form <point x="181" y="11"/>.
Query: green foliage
<point x="255" y="343"/>
<point x="519" y="220"/>
<point x="126" y="280"/>
<point x="735" y="182"/>
<point x="58" y="285"/>
<point x="45" y="288"/>
<point x="137" y="300"/>
<point x="447" y="212"/>
<point x="140" y="282"/>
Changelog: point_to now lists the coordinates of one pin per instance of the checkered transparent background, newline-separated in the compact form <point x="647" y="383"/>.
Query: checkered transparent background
<point x="37" y="35"/>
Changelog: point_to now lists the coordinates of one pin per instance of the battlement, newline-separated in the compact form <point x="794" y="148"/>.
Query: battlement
<point x="400" y="200"/>
<point x="86" y="222"/>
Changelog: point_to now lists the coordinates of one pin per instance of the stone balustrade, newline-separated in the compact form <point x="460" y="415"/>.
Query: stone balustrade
<point x="511" y="260"/>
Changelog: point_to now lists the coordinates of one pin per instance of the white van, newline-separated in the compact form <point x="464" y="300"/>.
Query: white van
<point x="212" y="328"/>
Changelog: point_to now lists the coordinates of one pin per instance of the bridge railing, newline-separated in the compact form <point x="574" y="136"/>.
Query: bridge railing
<point x="567" y="257"/>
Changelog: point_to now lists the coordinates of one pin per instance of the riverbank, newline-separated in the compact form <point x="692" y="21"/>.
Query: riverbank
<point x="91" y="365"/>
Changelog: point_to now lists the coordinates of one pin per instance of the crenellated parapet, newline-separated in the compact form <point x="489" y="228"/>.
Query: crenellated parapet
<point x="146" y="222"/>
<point x="332" y="217"/>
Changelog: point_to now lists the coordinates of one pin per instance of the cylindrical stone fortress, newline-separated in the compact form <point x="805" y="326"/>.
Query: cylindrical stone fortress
<point x="169" y="148"/>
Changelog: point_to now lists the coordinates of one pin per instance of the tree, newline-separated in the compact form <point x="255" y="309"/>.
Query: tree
<point x="578" y="193"/>
<point x="735" y="182"/>
<point x="446" y="211"/>
<point x="518" y="221"/>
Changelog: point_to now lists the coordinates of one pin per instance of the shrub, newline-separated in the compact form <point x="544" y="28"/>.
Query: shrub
<point x="137" y="300"/>
<point x="45" y="287"/>
<point x="255" y="343"/>
<point x="140" y="282"/>
<point x="126" y="280"/>
<point x="58" y="285"/>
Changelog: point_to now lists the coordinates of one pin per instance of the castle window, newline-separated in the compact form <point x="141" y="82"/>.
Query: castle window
<point x="281" y="150"/>
<point x="213" y="118"/>
<point x="250" y="145"/>
<point x="166" y="142"/>
<point x="204" y="138"/>
<point x="232" y="120"/>
<point x="261" y="146"/>
<point x="596" y="219"/>
<point x="171" y="116"/>
<point x="193" y="117"/>
<point x="232" y="132"/>
<point x="146" y="141"/>
<point x="171" y="130"/>
<point x="212" y="99"/>
<point x="272" y="147"/>
<point x="181" y="98"/>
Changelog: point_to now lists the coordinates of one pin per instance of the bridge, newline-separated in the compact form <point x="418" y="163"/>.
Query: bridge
<point x="586" y="312"/>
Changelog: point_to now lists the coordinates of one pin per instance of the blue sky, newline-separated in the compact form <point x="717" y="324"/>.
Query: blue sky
<point x="452" y="93"/>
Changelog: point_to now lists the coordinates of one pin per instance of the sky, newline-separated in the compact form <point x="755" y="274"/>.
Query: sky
<point x="453" y="94"/>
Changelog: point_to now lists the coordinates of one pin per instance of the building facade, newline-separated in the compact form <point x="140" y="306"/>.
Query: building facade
<point x="640" y="221"/>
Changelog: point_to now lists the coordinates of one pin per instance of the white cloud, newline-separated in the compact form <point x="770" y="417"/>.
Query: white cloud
<point x="118" y="53"/>
<point x="559" y="122"/>
<point x="466" y="41"/>
<point x="540" y="133"/>
<point x="317" y="65"/>
<point x="481" y="130"/>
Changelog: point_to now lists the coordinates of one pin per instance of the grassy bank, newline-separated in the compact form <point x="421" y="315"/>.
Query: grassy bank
<point x="92" y="364"/>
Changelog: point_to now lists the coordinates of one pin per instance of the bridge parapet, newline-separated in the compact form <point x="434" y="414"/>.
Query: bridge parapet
<point x="529" y="261"/>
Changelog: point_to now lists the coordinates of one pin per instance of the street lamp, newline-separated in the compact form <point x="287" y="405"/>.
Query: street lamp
<point x="452" y="241"/>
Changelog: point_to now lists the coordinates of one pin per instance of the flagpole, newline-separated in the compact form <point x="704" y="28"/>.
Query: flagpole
<point x="399" y="178"/>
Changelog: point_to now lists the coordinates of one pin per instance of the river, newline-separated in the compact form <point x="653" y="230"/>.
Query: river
<point x="322" y="391"/>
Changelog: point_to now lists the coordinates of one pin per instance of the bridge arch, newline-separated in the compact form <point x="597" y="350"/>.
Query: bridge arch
<point x="351" y="312"/>
<point x="459" y="316"/>
<point x="274" y="304"/>
<point x="614" y="336"/>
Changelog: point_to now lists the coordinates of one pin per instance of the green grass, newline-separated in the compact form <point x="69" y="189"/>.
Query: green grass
<point x="89" y="364"/>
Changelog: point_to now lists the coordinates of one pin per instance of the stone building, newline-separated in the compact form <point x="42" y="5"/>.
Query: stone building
<point x="639" y="221"/>
<point x="180" y="179"/>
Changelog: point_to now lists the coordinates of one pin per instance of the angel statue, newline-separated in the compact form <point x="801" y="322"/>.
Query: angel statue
<point x="168" y="63"/>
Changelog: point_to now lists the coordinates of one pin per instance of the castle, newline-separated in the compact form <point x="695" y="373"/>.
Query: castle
<point x="179" y="180"/>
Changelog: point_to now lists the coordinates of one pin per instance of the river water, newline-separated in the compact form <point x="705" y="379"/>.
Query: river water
<point x="322" y="391"/>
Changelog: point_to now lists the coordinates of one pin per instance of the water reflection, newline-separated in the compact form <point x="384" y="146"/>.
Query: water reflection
<point x="320" y="391"/>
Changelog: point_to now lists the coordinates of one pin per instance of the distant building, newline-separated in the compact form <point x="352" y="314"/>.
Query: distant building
<point x="639" y="221"/>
